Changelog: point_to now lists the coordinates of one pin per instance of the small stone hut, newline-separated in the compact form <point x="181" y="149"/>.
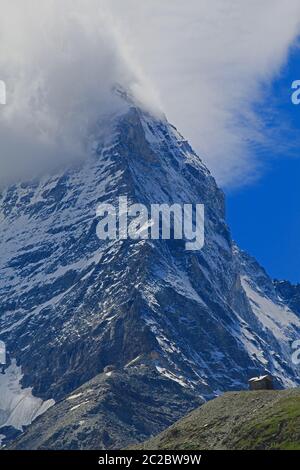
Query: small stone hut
<point x="264" y="382"/>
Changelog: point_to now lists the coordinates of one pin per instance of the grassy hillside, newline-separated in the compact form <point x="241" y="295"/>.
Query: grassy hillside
<point x="237" y="420"/>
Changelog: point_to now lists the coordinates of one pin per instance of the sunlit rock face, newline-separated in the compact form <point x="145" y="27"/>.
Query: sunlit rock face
<point x="72" y="304"/>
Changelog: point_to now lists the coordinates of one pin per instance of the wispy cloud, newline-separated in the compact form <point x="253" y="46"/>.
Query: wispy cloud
<point x="212" y="61"/>
<point x="60" y="60"/>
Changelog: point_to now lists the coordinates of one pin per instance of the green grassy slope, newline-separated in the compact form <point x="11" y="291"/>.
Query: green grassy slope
<point x="237" y="420"/>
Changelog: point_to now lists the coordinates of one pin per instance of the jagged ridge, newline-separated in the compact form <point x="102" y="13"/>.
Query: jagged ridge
<point x="70" y="304"/>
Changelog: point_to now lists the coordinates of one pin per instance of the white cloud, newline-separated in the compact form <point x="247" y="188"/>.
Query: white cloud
<point x="59" y="59"/>
<point x="209" y="61"/>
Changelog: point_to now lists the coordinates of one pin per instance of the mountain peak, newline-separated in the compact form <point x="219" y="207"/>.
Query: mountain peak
<point x="72" y="304"/>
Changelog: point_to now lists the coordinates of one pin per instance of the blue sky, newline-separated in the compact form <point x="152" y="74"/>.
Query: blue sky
<point x="265" y="216"/>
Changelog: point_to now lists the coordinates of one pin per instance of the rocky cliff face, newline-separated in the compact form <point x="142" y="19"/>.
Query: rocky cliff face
<point x="110" y="411"/>
<point x="72" y="304"/>
<point x="289" y="293"/>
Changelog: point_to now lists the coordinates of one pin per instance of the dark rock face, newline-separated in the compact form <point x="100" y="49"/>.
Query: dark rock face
<point x="71" y="304"/>
<point x="9" y="434"/>
<point x="112" y="410"/>
<point x="289" y="293"/>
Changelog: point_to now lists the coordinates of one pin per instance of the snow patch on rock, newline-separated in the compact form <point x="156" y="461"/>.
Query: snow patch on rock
<point x="18" y="406"/>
